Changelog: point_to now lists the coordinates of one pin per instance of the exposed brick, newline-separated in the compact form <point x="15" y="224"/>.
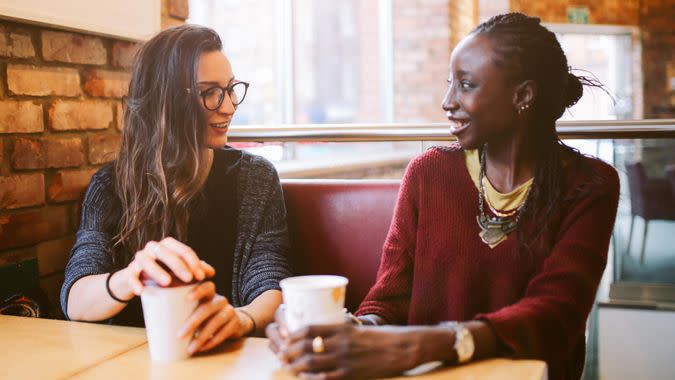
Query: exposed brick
<point x="78" y="115"/>
<point x="69" y="185"/>
<point x="51" y="285"/>
<point x="43" y="81"/>
<point x="22" y="191"/>
<point x="53" y="255"/>
<point x="73" y="48"/>
<point x="16" y="45"/>
<point x="2" y="151"/>
<point x="103" y="148"/>
<point x="119" y="117"/>
<point x="103" y="83"/>
<point x="47" y="153"/>
<point x="16" y="255"/>
<point x="123" y="54"/>
<point x="179" y="9"/>
<point x="31" y="227"/>
<point x="20" y="117"/>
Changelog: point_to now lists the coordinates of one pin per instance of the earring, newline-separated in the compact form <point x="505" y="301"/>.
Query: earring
<point x="523" y="108"/>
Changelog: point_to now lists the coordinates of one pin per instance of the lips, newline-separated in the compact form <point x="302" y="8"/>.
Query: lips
<point x="222" y="126"/>
<point x="459" y="125"/>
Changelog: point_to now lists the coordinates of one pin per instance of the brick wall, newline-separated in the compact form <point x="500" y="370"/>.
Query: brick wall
<point x="617" y="12"/>
<point x="421" y="57"/>
<point x="657" y="24"/>
<point x="60" y="120"/>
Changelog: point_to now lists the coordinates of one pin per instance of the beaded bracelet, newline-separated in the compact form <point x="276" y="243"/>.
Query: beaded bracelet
<point x="107" y="287"/>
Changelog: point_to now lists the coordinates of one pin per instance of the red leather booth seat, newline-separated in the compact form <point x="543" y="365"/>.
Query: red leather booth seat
<point x="339" y="227"/>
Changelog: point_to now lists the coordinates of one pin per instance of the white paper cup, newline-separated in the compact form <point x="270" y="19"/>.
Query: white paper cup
<point x="164" y="311"/>
<point x="313" y="300"/>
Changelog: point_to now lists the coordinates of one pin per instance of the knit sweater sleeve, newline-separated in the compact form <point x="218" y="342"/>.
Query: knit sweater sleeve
<point x="546" y="322"/>
<point x="389" y="298"/>
<point x="90" y="254"/>
<point x="268" y="261"/>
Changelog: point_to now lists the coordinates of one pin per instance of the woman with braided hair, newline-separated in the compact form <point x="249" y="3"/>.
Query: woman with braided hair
<point x="498" y="242"/>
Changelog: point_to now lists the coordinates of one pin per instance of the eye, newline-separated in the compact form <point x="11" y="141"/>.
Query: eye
<point x="209" y="92"/>
<point x="465" y="84"/>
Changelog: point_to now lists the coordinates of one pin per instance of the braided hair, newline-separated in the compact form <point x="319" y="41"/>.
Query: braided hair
<point x="529" y="51"/>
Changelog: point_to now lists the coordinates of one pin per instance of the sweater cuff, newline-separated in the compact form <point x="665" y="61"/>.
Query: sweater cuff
<point x="507" y="343"/>
<point x="379" y="310"/>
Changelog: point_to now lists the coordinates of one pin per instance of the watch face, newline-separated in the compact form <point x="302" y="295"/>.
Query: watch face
<point x="464" y="345"/>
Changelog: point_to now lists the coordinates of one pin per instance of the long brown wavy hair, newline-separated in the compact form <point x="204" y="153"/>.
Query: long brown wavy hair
<point x="159" y="169"/>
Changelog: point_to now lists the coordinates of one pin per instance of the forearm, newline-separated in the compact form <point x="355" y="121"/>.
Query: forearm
<point x="262" y="309"/>
<point x="89" y="300"/>
<point x="435" y="343"/>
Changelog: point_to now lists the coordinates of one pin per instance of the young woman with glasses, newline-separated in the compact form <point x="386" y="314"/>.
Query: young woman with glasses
<point x="178" y="203"/>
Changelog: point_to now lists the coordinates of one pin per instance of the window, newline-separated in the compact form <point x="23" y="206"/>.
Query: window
<point x="308" y="62"/>
<point x="608" y="53"/>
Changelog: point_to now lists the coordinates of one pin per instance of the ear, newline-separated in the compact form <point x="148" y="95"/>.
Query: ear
<point x="524" y="94"/>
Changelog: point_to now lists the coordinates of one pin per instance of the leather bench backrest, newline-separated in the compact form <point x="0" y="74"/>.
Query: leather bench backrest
<point x="339" y="227"/>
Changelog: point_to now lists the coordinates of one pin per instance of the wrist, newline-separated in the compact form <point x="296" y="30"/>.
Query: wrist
<point x="438" y="345"/>
<point x="119" y="284"/>
<point x="247" y="322"/>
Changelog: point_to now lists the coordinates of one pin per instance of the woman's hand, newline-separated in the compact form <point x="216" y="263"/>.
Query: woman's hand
<point x="214" y="320"/>
<point x="180" y="259"/>
<point x="348" y="351"/>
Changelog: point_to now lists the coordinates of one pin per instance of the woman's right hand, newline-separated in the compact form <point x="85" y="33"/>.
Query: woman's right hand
<point x="176" y="256"/>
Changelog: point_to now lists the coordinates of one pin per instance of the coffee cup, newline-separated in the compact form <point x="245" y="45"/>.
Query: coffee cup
<point x="165" y="309"/>
<point x="313" y="300"/>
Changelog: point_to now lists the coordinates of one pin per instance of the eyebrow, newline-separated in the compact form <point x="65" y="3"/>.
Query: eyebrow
<point x="214" y="83"/>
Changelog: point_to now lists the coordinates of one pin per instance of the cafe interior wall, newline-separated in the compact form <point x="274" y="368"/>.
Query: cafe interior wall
<point x="60" y="120"/>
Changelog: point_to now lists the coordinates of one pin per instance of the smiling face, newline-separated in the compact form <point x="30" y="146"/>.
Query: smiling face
<point x="481" y="98"/>
<point x="214" y="70"/>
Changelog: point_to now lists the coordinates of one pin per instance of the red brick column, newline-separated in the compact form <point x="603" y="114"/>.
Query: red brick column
<point x="60" y="120"/>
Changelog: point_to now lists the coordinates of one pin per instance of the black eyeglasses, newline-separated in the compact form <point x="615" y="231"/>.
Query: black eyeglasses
<point x="213" y="96"/>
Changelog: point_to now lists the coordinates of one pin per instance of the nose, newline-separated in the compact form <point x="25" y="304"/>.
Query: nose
<point x="449" y="101"/>
<point x="226" y="107"/>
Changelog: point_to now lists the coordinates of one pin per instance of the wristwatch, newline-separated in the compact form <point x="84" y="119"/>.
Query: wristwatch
<point x="464" y="345"/>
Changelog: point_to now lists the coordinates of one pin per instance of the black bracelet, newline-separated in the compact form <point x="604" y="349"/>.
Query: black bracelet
<point x="107" y="287"/>
<point x="252" y="332"/>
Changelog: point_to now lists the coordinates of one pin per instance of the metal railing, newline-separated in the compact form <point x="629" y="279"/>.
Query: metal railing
<point x="610" y="129"/>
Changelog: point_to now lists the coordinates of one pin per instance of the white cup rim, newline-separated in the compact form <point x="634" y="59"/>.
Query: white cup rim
<point x="321" y="281"/>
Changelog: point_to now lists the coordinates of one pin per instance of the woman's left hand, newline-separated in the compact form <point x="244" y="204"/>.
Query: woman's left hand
<point x="213" y="321"/>
<point x="348" y="352"/>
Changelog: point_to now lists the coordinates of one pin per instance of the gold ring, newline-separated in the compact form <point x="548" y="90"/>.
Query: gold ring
<point x="317" y="345"/>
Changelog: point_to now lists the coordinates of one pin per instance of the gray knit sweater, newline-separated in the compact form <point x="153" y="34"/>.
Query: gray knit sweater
<point x="261" y="247"/>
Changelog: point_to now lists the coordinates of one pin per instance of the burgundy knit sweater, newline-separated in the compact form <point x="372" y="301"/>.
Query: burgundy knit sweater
<point x="435" y="267"/>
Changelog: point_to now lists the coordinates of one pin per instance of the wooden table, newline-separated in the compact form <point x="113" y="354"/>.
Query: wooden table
<point x="35" y="348"/>
<point x="56" y="349"/>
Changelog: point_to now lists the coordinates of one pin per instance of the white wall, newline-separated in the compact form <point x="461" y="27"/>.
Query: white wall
<point x="127" y="19"/>
<point x="636" y="344"/>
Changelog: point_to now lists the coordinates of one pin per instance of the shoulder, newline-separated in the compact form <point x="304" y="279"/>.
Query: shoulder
<point x="437" y="158"/>
<point x="590" y="178"/>
<point x="101" y="184"/>
<point x="596" y="174"/>
<point x="258" y="165"/>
